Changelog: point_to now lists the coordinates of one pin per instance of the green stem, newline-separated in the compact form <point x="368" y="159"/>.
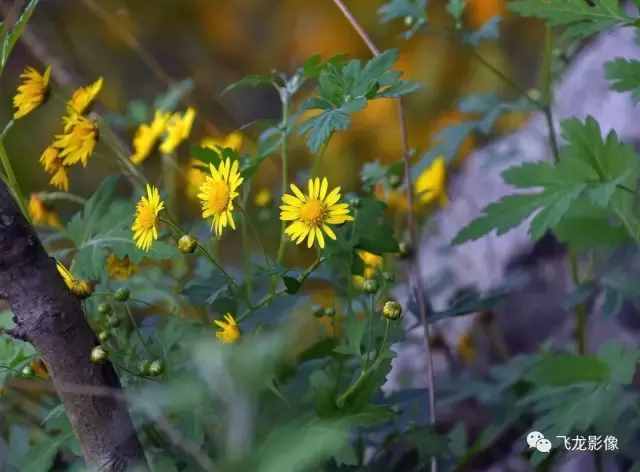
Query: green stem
<point x="581" y="308"/>
<point x="272" y="295"/>
<point x="53" y="196"/>
<point x="547" y="91"/>
<point x="111" y="139"/>
<point x="284" y="152"/>
<point x="135" y="328"/>
<point x="169" y="179"/>
<point x="11" y="180"/>
<point x="203" y="250"/>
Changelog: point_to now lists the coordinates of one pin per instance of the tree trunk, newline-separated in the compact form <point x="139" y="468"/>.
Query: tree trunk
<point x="51" y="318"/>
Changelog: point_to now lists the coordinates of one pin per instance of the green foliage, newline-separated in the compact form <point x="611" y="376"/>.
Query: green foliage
<point x="344" y="89"/>
<point x="579" y="18"/>
<point x="412" y="12"/>
<point x="624" y="75"/>
<point x="10" y="38"/>
<point x="600" y="170"/>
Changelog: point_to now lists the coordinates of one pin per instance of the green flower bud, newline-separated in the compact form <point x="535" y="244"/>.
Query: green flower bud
<point x="406" y="251"/>
<point x="27" y="371"/>
<point x="156" y="368"/>
<point x="143" y="367"/>
<point x="104" y="336"/>
<point x="122" y="294"/>
<point x="392" y="310"/>
<point x="99" y="355"/>
<point x="104" y="309"/>
<point x="187" y="244"/>
<point x="329" y="311"/>
<point x="408" y="20"/>
<point x="114" y="321"/>
<point x="370" y="286"/>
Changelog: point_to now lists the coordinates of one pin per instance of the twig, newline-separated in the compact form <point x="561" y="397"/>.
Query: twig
<point x="415" y="282"/>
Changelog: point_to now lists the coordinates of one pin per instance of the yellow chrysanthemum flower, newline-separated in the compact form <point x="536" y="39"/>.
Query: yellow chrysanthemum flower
<point x="79" y="287"/>
<point x="431" y="183"/>
<point x="373" y="263"/>
<point x="232" y="140"/>
<point x="120" y="269"/>
<point x="78" y="141"/>
<point x="41" y="213"/>
<point x="263" y="198"/>
<point x="313" y="213"/>
<point x="83" y="97"/>
<point x="52" y="164"/>
<point x="31" y="92"/>
<point x="147" y="135"/>
<point x="178" y="129"/>
<point x="229" y="331"/>
<point x="144" y="227"/>
<point x="217" y="194"/>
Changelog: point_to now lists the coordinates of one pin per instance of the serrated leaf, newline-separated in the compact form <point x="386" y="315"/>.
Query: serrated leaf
<point x="254" y="80"/>
<point x="624" y="75"/>
<point x="566" y="369"/>
<point x="11" y="37"/>
<point x="579" y="17"/>
<point x="372" y="231"/>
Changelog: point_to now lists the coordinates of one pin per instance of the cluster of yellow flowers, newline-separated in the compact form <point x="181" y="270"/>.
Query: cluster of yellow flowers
<point x="31" y="92"/>
<point x="176" y="128"/>
<point x="78" y="139"/>
<point x="42" y="214"/>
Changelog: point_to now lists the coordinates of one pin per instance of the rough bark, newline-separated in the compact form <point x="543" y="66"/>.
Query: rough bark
<point x="51" y="318"/>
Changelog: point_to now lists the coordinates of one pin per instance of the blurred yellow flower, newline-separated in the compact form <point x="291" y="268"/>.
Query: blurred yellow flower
<point x="466" y="349"/>
<point x="41" y="213"/>
<point x="228" y="332"/>
<point x="178" y="129"/>
<point x="144" y="227"/>
<point x="217" y="194"/>
<point x="31" y="92"/>
<point x="194" y="177"/>
<point x="373" y="263"/>
<point x="263" y="198"/>
<point x="79" y="287"/>
<point x="78" y="141"/>
<point x="52" y="163"/>
<point x="481" y="11"/>
<point x="83" y="97"/>
<point x="147" y="135"/>
<point x="313" y="213"/>
<point x="431" y="183"/>
<point x="120" y="269"/>
<point x="232" y="140"/>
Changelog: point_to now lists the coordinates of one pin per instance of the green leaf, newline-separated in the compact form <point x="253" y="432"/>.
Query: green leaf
<point x="456" y="9"/>
<point x="579" y="17"/>
<point x="344" y="88"/>
<point x="624" y="75"/>
<point x="292" y="284"/>
<point x="373" y="232"/>
<point x="254" y="80"/>
<point x="566" y="369"/>
<point x="11" y="37"/>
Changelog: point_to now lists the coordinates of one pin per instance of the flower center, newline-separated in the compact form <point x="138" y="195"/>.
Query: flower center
<point x="312" y="212"/>
<point x="147" y="218"/>
<point x="218" y="196"/>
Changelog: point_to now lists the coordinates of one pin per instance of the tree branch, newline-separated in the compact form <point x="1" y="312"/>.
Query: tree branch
<point x="51" y="318"/>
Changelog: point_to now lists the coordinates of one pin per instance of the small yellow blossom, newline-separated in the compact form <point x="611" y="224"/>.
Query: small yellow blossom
<point x="312" y="214"/>
<point x="147" y="135"/>
<point x="373" y="263"/>
<point x="31" y="92"/>
<point x="217" y="194"/>
<point x="52" y="163"/>
<point x="228" y="332"/>
<point x="83" y="97"/>
<point x="263" y="198"/>
<point x="232" y="140"/>
<point x="120" y="269"/>
<point x="431" y="183"/>
<point x="79" y="287"/>
<point x="41" y="213"/>
<point x="144" y="228"/>
<point x="178" y="129"/>
<point x="78" y="141"/>
<point x="194" y="178"/>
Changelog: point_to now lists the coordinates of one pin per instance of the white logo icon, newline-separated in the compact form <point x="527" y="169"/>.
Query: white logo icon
<point x="535" y="439"/>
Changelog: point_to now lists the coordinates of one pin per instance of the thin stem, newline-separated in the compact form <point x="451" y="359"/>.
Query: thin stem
<point x="272" y="295"/>
<point x="135" y="327"/>
<point x="53" y="196"/>
<point x="203" y="250"/>
<point x="284" y="152"/>
<point x="547" y="93"/>
<point x="416" y="284"/>
<point x="12" y="181"/>
<point x="581" y="308"/>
